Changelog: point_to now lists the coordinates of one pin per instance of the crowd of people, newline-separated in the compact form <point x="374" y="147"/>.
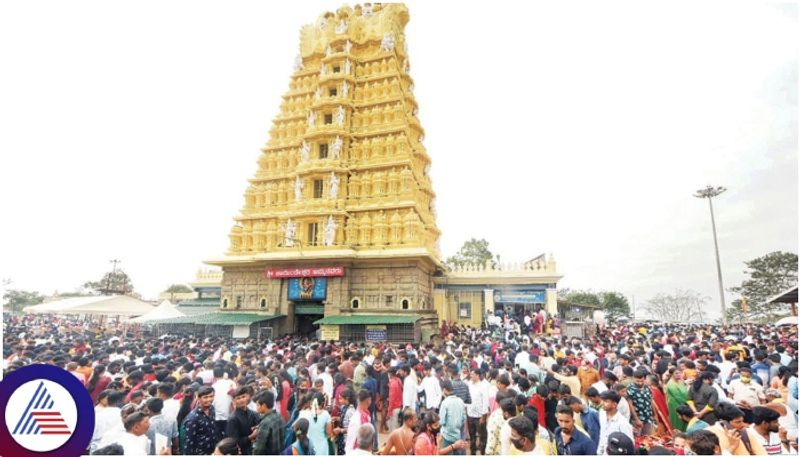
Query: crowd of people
<point x="515" y="386"/>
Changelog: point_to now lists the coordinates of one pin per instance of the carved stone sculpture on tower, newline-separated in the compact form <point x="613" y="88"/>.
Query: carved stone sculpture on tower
<point x="347" y="66"/>
<point x="387" y="44"/>
<point x="298" y="189"/>
<point x="348" y="46"/>
<point x="336" y="148"/>
<point x="323" y="70"/>
<point x="345" y="88"/>
<point x="305" y="150"/>
<point x="341" y="27"/>
<point x="312" y="119"/>
<point x="298" y="62"/>
<point x="330" y="231"/>
<point x="317" y="94"/>
<point x="333" y="185"/>
<point x="289" y="229"/>
<point x="340" y="116"/>
<point x="328" y="51"/>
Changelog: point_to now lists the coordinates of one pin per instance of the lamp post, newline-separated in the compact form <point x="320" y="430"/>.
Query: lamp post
<point x="710" y="192"/>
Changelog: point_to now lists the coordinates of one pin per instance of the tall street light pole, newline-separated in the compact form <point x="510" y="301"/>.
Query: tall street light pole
<point x="710" y="192"/>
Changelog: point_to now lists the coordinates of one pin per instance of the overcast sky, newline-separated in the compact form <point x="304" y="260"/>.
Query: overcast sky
<point x="128" y="130"/>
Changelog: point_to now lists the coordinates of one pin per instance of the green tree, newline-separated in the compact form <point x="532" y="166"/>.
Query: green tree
<point x="15" y="299"/>
<point x="473" y="252"/>
<point x="583" y="297"/>
<point x="113" y="282"/>
<point x="767" y="275"/>
<point x="177" y="289"/>
<point x="612" y="302"/>
<point x="615" y="304"/>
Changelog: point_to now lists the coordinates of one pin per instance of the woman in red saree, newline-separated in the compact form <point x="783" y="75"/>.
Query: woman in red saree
<point x="664" y="427"/>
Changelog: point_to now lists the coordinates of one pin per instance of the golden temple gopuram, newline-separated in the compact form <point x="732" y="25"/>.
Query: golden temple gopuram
<point x="342" y="183"/>
<point x="338" y="228"/>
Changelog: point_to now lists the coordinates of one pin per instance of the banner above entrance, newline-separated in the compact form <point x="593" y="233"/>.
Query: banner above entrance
<point x="526" y="296"/>
<point x="277" y="273"/>
<point x="307" y="289"/>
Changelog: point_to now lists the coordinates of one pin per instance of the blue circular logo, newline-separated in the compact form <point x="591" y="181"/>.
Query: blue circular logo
<point x="46" y="411"/>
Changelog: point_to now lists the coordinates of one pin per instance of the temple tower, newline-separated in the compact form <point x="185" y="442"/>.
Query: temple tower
<point x="339" y="218"/>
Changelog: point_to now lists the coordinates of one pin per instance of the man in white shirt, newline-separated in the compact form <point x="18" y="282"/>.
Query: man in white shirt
<point x="433" y="392"/>
<point x="477" y="412"/>
<point x="726" y="367"/>
<point x="611" y="420"/>
<point x="171" y="406"/>
<point x="606" y="383"/>
<point x="409" y="386"/>
<point x="107" y="416"/>
<point x="522" y="357"/>
<point x="223" y="399"/>
<point x="327" y="381"/>
<point x="365" y="440"/>
<point x="133" y="440"/>
<point x="746" y="393"/>
<point x="207" y="374"/>
<point x="623" y="407"/>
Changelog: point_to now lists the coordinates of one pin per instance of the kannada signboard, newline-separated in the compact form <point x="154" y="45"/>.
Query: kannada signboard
<point x="329" y="332"/>
<point x="308" y="288"/>
<point x="376" y="333"/>
<point x="279" y="273"/>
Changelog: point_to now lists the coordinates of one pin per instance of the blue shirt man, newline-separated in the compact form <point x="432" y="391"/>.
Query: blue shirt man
<point x="570" y="440"/>
<point x="589" y="418"/>
<point x="452" y="415"/>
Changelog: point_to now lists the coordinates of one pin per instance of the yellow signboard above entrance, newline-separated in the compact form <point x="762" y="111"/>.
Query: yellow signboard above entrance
<point x="329" y="332"/>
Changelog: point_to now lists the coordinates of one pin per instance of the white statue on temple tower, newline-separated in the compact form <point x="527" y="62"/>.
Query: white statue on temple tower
<point x="312" y="119"/>
<point x="323" y="70"/>
<point x="333" y="186"/>
<point x="330" y="231"/>
<point x="345" y="88"/>
<point x="305" y="151"/>
<point x="328" y="51"/>
<point x="298" y="189"/>
<point x="348" y="46"/>
<point x="289" y="229"/>
<point x="387" y="43"/>
<point x="336" y="147"/>
<point x="347" y="66"/>
<point x="298" y="62"/>
<point x="341" y="27"/>
<point x="317" y="94"/>
<point x="340" y="116"/>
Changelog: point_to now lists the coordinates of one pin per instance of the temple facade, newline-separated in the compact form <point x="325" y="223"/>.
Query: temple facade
<point x="339" y="217"/>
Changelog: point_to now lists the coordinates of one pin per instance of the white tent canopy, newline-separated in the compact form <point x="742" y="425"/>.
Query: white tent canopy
<point x="165" y="310"/>
<point x="103" y="305"/>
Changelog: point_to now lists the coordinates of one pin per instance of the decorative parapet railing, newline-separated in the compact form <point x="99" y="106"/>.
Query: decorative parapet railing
<point x="206" y="276"/>
<point x="534" y="267"/>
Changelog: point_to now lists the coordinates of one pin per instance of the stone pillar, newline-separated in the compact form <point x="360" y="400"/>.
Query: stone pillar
<point x="440" y="305"/>
<point x="551" y="302"/>
<point x="488" y="300"/>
